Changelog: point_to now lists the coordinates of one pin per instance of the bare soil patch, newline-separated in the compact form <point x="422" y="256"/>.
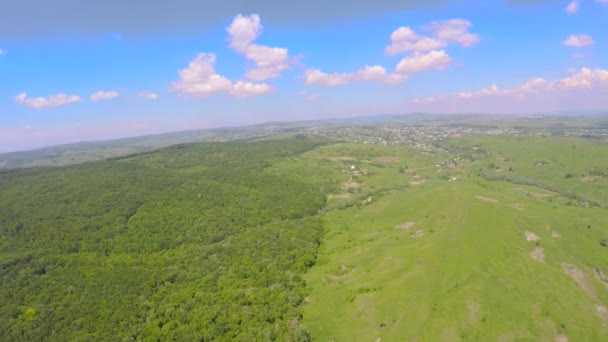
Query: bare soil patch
<point x="590" y="179"/>
<point x="556" y="235"/>
<point x="599" y="275"/>
<point x="350" y="185"/>
<point x="531" y="237"/>
<point x="385" y="159"/>
<point x="417" y="234"/>
<point x="341" y="159"/>
<point x="474" y="312"/>
<point x="406" y="225"/>
<point x="417" y="180"/>
<point x="580" y="278"/>
<point x="538" y="254"/>
<point x="487" y="199"/>
<point x="602" y="311"/>
<point x="561" y="338"/>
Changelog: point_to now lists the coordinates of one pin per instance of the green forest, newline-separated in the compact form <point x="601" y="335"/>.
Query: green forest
<point x="192" y="242"/>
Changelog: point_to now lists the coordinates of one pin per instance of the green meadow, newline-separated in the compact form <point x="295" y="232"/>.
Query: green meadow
<point x="444" y="254"/>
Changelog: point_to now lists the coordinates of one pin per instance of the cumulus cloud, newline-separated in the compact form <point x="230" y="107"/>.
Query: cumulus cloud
<point x="581" y="40"/>
<point x="572" y="7"/>
<point x="418" y="62"/>
<point x="367" y="73"/>
<point x="200" y="79"/>
<point x="103" y="95"/>
<point x="148" y="95"/>
<point x="443" y="33"/>
<point x="46" y="102"/>
<point x="584" y="89"/>
<point x="583" y="79"/>
<point x="270" y="62"/>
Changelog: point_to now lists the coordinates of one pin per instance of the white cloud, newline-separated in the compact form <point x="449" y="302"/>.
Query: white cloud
<point x="585" y="89"/>
<point x="368" y="73"/>
<point x="148" y="95"/>
<point x="46" y="102"/>
<point x="581" y="40"/>
<point x="243" y="89"/>
<point x="418" y="62"/>
<point x="103" y="95"/>
<point x="454" y="31"/>
<point x="583" y="79"/>
<point x="2" y="52"/>
<point x="572" y="7"/>
<point x="270" y="62"/>
<point x="199" y="79"/>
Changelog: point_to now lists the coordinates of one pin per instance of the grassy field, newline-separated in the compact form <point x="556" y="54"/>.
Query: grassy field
<point x="434" y="252"/>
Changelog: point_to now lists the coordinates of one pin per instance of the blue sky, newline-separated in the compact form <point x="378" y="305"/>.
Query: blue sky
<point x="72" y="80"/>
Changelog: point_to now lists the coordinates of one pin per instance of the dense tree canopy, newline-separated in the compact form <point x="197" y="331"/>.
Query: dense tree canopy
<point x="192" y="242"/>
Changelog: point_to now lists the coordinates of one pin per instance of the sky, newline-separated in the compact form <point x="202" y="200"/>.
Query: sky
<point x="74" y="70"/>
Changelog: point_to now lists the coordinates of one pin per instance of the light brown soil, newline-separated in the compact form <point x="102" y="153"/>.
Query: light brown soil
<point x="590" y="179"/>
<point x="556" y="235"/>
<point x="340" y="159"/>
<point x="474" y="312"/>
<point x="580" y="278"/>
<point x="406" y="225"/>
<point x="417" y="234"/>
<point x="538" y="254"/>
<point x="599" y="275"/>
<point x="531" y="237"/>
<point x="350" y="185"/>
<point x="385" y="159"/>
<point x="602" y="311"/>
<point x="417" y="180"/>
<point x="487" y="199"/>
<point x="561" y="338"/>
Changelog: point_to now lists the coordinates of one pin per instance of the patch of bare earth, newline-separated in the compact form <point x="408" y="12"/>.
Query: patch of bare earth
<point x="487" y="199"/>
<point x="556" y="235"/>
<point x="531" y="237"/>
<point x="474" y="312"/>
<point x="538" y="254"/>
<point x="590" y="179"/>
<point x="417" y="180"/>
<point x="342" y="159"/>
<point x="561" y="338"/>
<point x="385" y="159"/>
<point x="406" y="225"/>
<point x="350" y="185"/>
<point x="602" y="311"/>
<point x="417" y="234"/>
<point x="601" y="277"/>
<point x="580" y="278"/>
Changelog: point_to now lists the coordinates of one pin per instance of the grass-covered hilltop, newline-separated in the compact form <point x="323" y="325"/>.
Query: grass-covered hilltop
<point x="372" y="232"/>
